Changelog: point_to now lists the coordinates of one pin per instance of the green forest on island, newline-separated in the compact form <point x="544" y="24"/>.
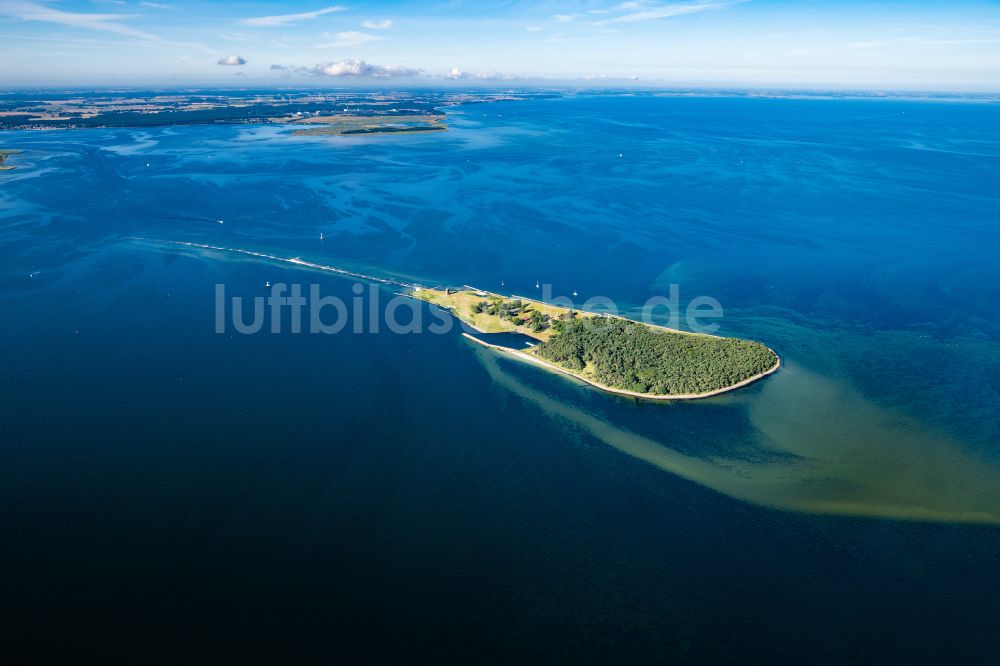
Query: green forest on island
<point x="630" y="356"/>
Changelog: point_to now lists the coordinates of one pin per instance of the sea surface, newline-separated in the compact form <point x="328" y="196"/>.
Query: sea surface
<point x="169" y="490"/>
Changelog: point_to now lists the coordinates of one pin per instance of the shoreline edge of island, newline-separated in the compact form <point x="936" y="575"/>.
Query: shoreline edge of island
<point x="624" y="392"/>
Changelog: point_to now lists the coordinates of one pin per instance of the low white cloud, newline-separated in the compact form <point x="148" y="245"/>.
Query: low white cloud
<point x="383" y="24"/>
<point x="564" y="18"/>
<point x="348" y="39"/>
<point x="292" y="69"/>
<point x="232" y="60"/>
<point x="360" y="68"/>
<point x="153" y="5"/>
<point x="533" y="28"/>
<point x="495" y="76"/>
<point x="457" y="74"/>
<point x="289" y="19"/>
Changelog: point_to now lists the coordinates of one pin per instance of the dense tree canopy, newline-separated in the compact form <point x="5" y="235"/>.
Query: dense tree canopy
<point x="635" y="357"/>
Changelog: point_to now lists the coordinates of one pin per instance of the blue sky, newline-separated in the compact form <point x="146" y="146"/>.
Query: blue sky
<point x="944" y="45"/>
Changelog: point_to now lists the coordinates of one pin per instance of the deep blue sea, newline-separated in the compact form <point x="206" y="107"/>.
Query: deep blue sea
<point x="167" y="490"/>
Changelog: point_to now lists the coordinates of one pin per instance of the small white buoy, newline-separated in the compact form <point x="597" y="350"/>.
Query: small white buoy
<point x="267" y="284"/>
<point x="621" y="155"/>
<point x="147" y="165"/>
<point x="574" y="292"/>
<point x="537" y="285"/>
<point x="221" y="221"/>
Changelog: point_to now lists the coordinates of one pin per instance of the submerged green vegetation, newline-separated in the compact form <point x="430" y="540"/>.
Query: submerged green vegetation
<point x="634" y="357"/>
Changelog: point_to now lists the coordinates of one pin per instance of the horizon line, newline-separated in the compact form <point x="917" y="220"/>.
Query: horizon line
<point x="610" y="85"/>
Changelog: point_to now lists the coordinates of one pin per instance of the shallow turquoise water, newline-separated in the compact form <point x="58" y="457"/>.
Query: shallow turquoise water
<point x="392" y="485"/>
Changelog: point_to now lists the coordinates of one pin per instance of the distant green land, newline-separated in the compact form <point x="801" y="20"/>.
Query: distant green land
<point x="350" y="110"/>
<point x="3" y="159"/>
<point x="353" y="125"/>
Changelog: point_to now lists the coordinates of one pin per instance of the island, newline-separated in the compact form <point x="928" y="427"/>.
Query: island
<point x="3" y="159"/>
<point x="349" y="125"/>
<point x="611" y="353"/>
